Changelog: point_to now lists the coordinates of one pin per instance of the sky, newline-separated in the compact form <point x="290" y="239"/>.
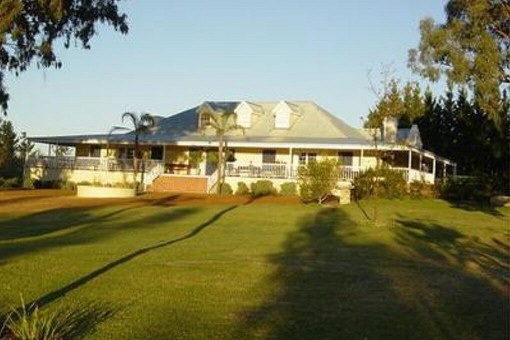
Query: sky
<point x="178" y="54"/>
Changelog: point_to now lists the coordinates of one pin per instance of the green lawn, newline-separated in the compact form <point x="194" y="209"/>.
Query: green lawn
<point x="227" y="271"/>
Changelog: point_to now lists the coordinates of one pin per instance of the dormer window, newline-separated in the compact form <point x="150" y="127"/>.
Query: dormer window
<point x="205" y="120"/>
<point x="285" y="114"/>
<point x="247" y="114"/>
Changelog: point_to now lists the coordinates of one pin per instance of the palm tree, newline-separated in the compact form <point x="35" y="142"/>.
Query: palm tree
<point x="140" y="124"/>
<point x="222" y="122"/>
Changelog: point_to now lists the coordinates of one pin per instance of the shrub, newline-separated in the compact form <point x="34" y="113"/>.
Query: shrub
<point x="242" y="189"/>
<point x="384" y="182"/>
<point x="32" y="323"/>
<point x="317" y="180"/>
<point x="28" y="183"/>
<point x="42" y="184"/>
<point x="288" y="189"/>
<point x="67" y="185"/>
<point x="122" y="185"/>
<point x="84" y="183"/>
<point x="226" y="189"/>
<point x="262" y="188"/>
<point x="467" y="189"/>
<point x="9" y="182"/>
<point x="421" y="189"/>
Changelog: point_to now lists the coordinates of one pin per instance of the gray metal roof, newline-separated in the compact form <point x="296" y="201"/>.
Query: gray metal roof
<point x="314" y="125"/>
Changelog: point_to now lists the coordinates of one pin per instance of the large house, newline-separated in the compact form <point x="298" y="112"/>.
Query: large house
<point x="273" y="141"/>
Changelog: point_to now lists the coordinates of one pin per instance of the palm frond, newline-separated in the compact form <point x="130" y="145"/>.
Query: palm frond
<point x="146" y="119"/>
<point x="131" y="117"/>
<point x="118" y="128"/>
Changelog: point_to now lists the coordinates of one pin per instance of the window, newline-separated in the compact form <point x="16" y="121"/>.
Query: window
<point x="157" y="152"/>
<point x="345" y="158"/>
<point x="302" y="158"/>
<point x="205" y="120"/>
<point x="269" y="156"/>
<point x="126" y="153"/>
<point x="307" y="157"/>
<point x="231" y="155"/>
<point x="95" y="151"/>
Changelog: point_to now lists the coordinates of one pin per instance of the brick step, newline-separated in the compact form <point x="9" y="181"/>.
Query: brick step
<point x="179" y="183"/>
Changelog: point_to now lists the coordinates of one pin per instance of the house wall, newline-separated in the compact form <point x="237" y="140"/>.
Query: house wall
<point x="78" y="176"/>
<point x="254" y="155"/>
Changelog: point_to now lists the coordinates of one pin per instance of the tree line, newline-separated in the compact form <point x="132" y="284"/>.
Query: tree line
<point x="469" y="123"/>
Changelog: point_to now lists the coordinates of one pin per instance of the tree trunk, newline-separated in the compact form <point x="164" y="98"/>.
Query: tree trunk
<point x="135" y="164"/>
<point x="219" y="181"/>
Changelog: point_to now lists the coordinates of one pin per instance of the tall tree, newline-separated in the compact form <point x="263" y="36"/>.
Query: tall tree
<point x="9" y="163"/>
<point x="140" y="124"/>
<point x="222" y="122"/>
<point x="456" y="128"/>
<point x="471" y="49"/>
<point x="390" y="104"/>
<point x="393" y="102"/>
<point x="406" y="104"/>
<point x="30" y="28"/>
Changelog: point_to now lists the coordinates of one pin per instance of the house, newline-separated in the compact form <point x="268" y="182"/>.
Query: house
<point x="276" y="138"/>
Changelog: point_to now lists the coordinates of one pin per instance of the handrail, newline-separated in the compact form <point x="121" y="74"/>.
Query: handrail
<point x="153" y="173"/>
<point x="211" y="180"/>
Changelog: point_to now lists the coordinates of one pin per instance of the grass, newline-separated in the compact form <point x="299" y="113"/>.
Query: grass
<point x="170" y="267"/>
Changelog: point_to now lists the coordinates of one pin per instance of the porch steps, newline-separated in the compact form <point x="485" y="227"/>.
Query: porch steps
<point x="177" y="183"/>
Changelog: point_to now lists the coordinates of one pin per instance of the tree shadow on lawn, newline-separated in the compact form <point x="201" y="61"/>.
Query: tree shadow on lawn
<point x="54" y="220"/>
<point x="449" y="247"/>
<point x="484" y="207"/>
<point x="76" y="226"/>
<point x="14" y="200"/>
<point x="54" y="295"/>
<point x="333" y="284"/>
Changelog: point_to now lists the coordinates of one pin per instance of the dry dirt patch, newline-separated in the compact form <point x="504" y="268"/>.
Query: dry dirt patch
<point x="14" y="201"/>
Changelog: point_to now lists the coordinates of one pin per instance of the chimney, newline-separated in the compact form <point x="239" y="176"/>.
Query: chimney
<point x="390" y="127"/>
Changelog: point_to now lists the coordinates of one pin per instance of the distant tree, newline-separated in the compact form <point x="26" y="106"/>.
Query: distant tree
<point x="62" y="150"/>
<point x="25" y="147"/>
<point x="9" y="163"/>
<point x="404" y="104"/>
<point x="30" y="28"/>
<point x="390" y="104"/>
<point x="222" y="122"/>
<point x="456" y="128"/>
<point x="471" y="49"/>
<point x="140" y="125"/>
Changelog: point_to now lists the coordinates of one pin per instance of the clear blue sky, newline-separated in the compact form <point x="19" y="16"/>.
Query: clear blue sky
<point x="180" y="53"/>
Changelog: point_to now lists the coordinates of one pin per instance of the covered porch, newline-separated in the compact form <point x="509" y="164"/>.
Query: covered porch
<point x="242" y="162"/>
